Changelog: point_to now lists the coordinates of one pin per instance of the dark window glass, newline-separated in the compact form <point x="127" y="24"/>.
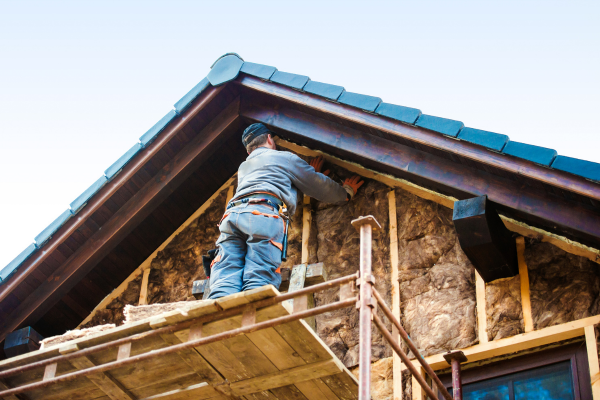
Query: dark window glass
<point x="557" y="374"/>
<point x="553" y="382"/>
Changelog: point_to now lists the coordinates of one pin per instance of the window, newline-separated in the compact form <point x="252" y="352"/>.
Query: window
<point x="556" y="374"/>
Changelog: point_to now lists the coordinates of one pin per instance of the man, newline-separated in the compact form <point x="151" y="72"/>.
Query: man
<point x="253" y="228"/>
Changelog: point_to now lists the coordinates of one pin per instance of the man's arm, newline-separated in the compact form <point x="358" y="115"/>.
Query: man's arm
<point x="315" y="184"/>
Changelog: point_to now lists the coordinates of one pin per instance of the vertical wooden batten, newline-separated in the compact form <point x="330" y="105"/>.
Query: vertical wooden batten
<point x="481" y="308"/>
<point x="592" y="353"/>
<point x="524" y="275"/>
<point x="306" y="222"/>
<point x="397" y="363"/>
<point x="144" y="288"/>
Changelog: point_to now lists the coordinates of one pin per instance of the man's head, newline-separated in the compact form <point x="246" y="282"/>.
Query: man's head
<point x="257" y="135"/>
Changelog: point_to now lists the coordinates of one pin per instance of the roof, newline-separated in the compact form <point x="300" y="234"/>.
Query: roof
<point x="528" y="182"/>
<point x="228" y="67"/>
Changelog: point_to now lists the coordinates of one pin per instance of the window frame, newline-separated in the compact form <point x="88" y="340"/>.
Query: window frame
<point x="576" y="353"/>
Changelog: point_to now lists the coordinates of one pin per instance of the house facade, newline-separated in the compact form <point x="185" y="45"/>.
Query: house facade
<point x="137" y="236"/>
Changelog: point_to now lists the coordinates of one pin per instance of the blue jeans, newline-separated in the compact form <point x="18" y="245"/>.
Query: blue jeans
<point x="249" y="252"/>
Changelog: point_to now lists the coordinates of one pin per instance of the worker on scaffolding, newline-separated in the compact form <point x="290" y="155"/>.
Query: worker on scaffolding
<point x="253" y="238"/>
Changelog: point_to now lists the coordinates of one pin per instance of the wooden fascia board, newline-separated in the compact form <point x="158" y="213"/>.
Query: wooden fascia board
<point x="424" y="137"/>
<point x="123" y="221"/>
<point x="108" y="191"/>
<point x="406" y="162"/>
<point x="517" y="343"/>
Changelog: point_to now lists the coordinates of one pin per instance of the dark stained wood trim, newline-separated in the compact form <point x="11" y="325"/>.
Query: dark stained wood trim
<point x="108" y="191"/>
<point x="125" y="219"/>
<point x="428" y="138"/>
<point x="415" y="165"/>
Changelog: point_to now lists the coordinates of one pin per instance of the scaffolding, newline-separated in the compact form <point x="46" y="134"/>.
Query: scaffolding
<point x="356" y="290"/>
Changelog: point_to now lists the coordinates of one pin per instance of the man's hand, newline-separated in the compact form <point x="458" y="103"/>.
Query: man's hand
<point x="317" y="164"/>
<point x="352" y="184"/>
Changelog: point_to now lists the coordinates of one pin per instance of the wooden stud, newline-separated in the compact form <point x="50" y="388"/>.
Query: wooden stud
<point x="481" y="308"/>
<point x="306" y="221"/>
<point x="297" y="279"/>
<point x="417" y="391"/>
<point x="592" y="352"/>
<point x="397" y="362"/>
<point x="229" y="196"/>
<point x="521" y="228"/>
<point x="124" y="351"/>
<point x="300" y="304"/>
<point x="147" y="263"/>
<point x="144" y="288"/>
<point x="524" y="275"/>
<point x="50" y="371"/>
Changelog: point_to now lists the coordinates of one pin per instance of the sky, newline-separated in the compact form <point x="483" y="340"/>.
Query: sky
<point x="81" y="81"/>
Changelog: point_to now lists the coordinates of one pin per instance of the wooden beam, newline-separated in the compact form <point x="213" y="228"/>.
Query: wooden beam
<point x="524" y="276"/>
<point x="103" y="380"/>
<point x="592" y="353"/>
<point x="417" y="391"/>
<point x="287" y="377"/>
<point x="430" y="170"/>
<point x="306" y="222"/>
<point x="397" y="362"/>
<point x="4" y="386"/>
<point x="110" y="189"/>
<point x="513" y="225"/>
<point x="199" y="391"/>
<point x="144" y="288"/>
<point x="401" y="132"/>
<point x="481" y="308"/>
<point x="315" y="274"/>
<point x="523" y="341"/>
<point x="148" y="262"/>
<point x="125" y="220"/>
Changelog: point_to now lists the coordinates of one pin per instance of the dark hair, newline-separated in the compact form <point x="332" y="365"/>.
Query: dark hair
<point x="257" y="142"/>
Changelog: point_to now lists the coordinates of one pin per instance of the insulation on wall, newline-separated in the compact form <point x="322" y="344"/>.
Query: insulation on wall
<point x="437" y="282"/>
<point x="503" y="308"/>
<point x="337" y="245"/>
<point x="558" y="279"/>
<point x="113" y="312"/>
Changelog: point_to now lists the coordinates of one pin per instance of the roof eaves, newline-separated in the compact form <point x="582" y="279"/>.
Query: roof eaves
<point x="399" y="113"/>
<point x="12" y="266"/>
<point x="290" y="80"/>
<point x="330" y="92"/>
<point x="491" y="140"/>
<point x="261" y="71"/>
<point x="84" y="197"/>
<point x="47" y="233"/>
<point x="153" y="132"/>
<point x="186" y="100"/>
<point x="536" y="154"/>
<point x="362" y="101"/>
<point x="587" y="169"/>
<point x="448" y="127"/>
<point x="122" y="161"/>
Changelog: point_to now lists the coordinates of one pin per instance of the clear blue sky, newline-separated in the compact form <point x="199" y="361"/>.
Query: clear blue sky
<point x="81" y="81"/>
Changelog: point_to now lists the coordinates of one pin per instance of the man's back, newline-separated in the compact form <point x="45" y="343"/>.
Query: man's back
<point x="281" y="173"/>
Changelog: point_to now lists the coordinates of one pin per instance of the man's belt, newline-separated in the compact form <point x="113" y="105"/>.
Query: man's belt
<point x="269" y="199"/>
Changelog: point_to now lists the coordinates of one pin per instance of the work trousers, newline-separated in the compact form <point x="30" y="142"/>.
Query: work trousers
<point x="249" y="250"/>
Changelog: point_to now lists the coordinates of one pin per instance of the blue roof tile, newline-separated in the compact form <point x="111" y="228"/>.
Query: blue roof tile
<point x="491" y="140"/>
<point x="186" y="100"/>
<point x="124" y="159"/>
<point x="260" y="71"/>
<point x="446" y="126"/>
<point x="87" y="194"/>
<point x="399" y="113"/>
<point x="362" y="101"/>
<point x="537" y="154"/>
<point x="225" y="69"/>
<point x="291" y="80"/>
<point x="151" y="134"/>
<point x="52" y="228"/>
<point x="14" y="264"/>
<point x="587" y="169"/>
<point x="331" y="92"/>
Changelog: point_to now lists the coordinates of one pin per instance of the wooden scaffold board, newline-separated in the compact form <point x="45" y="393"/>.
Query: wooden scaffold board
<point x="287" y="361"/>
